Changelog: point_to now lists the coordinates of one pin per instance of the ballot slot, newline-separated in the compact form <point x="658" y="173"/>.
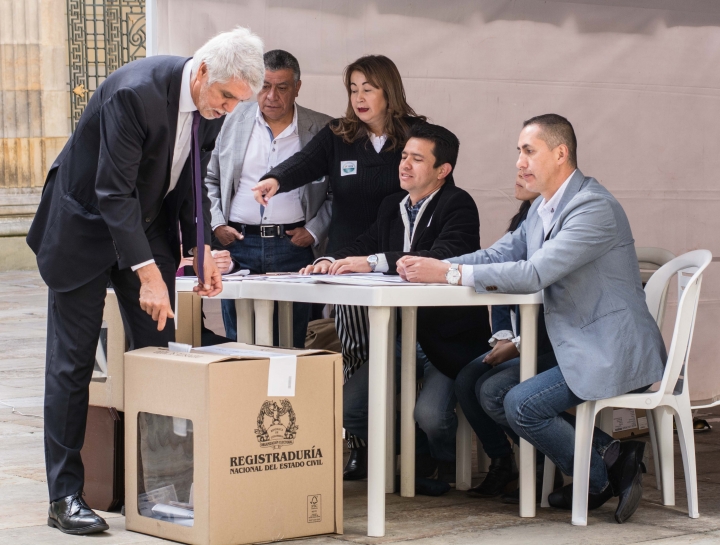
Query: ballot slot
<point x="165" y="472"/>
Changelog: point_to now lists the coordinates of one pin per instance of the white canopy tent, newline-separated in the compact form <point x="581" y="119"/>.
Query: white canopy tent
<point x="639" y="80"/>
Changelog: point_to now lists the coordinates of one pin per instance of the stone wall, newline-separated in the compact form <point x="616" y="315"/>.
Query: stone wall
<point x="34" y="111"/>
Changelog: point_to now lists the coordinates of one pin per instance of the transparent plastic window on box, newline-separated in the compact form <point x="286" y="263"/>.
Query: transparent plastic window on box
<point x="165" y="468"/>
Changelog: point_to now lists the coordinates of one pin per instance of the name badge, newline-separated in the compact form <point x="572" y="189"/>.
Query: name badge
<point x="348" y="168"/>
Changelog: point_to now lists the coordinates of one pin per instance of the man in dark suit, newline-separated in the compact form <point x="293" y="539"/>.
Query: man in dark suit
<point x="433" y="219"/>
<point x="116" y="203"/>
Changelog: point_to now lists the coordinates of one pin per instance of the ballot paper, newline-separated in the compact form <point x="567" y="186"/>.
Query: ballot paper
<point x="172" y="512"/>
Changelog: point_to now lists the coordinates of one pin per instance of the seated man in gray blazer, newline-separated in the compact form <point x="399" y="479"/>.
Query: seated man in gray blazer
<point x="577" y="246"/>
<point x="281" y="236"/>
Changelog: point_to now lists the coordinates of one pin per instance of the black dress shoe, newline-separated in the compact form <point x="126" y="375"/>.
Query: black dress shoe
<point x="562" y="498"/>
<point x="626" y="477"/>
<point x="72" y="515"/>
<point x="356" y="467"/>
<point x="501" y="474"/>
<point x="513" y="497"/>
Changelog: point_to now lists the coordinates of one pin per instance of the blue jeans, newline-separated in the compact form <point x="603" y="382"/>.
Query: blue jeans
<point x="434" y="408"/>
<point x="263" y="255"/>
<point x="468" y="387"/>
<point x="535" y="410"/>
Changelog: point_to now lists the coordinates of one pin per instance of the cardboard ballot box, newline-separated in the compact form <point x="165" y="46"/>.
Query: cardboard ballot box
<point x="107" y="384"/>
<point x="235" y="444"/>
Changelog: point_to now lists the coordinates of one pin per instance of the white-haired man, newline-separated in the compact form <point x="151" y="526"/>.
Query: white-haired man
<point x="117" y="200"/>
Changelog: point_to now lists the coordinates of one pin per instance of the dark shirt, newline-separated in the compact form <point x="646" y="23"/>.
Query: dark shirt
<point x="357" y="191"/>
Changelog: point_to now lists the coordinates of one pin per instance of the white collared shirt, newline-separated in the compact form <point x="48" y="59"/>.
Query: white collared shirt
<point x="264" y="152"/>
<point x="181" y="151"/>
<point x="378" y="141"/>
<point x="184" y="127"/>
<point x="546" y="211"/>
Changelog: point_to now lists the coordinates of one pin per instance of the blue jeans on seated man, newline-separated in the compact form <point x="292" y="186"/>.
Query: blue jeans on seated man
<point x="434" y="408"/>
<point x="468" y="385"/>
<point x="535" y="410"/>
<point x="263" y="255"/>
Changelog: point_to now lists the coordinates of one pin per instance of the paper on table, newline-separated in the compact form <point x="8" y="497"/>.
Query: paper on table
<point x="362" y="280"/>
<point x="293" y="278"/>
<point x="241" y="272"/>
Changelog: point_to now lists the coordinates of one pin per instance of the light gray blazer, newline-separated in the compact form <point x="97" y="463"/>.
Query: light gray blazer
<point x="605" y="340"/>
<point x="226" y="163"/>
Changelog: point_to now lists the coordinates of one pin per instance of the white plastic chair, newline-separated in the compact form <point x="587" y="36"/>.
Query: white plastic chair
<point x="664" y="403"/>
<point x="650" y="260"/>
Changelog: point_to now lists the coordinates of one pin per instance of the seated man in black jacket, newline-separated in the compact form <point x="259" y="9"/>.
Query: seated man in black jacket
<point x="432" y="217"/>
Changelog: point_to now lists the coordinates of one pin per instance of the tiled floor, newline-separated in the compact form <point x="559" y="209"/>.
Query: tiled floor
<point x="450" y="519"/>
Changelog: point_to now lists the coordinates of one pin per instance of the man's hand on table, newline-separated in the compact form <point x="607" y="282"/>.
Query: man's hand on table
<point x="423" y="269"/>
<point x="350" y="265"/>
<point x="321" y="267"/>
<point x="154" y="297"/>
<point x="213" y="278"/>
<point x="504" y="350"/>
<point x="356" y="264"/>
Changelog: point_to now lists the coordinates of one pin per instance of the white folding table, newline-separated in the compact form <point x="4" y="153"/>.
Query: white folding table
<point x="258" y="297"/>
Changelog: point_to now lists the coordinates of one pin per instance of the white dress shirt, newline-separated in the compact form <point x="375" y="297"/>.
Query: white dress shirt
<point x="264" y="152"/>
<point x="182" y="136"/>
<point x="546" y="211"/>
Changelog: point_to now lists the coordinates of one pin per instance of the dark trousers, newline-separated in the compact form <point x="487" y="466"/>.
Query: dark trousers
<point x="434" y="408"/>
<point x="74" y="322"/>
<point x="263" y="255"/>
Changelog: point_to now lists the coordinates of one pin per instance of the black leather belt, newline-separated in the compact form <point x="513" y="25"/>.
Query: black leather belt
<point x="265" y="231"/>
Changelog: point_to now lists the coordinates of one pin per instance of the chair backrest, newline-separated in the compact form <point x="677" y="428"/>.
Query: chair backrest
<point x="650" y="260"/>
<point x="687" y="308"/>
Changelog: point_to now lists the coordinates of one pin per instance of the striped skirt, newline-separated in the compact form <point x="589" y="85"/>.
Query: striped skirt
<point x="353" y="328"/>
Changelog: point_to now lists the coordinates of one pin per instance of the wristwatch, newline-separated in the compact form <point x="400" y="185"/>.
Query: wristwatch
<point x="372" y="260"/>
<point x="453" y="275"/>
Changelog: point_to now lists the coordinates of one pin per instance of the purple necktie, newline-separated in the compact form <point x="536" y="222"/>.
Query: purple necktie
<point x="197" y="188"/>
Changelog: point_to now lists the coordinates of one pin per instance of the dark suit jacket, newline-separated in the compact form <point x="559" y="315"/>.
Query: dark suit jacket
<point x="109" y="182"/>
<point x="451" y="337"/>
